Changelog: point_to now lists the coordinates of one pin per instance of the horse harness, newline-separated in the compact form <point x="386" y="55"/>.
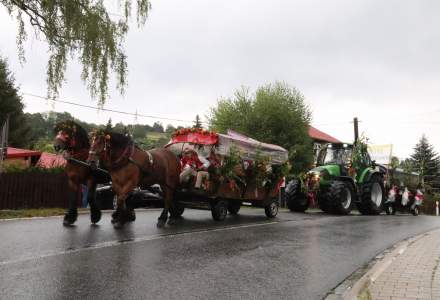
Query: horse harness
<point x="141" y="167"/>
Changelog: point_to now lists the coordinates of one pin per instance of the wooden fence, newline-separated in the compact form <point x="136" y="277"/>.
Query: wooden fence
<point x="33" y="190"/>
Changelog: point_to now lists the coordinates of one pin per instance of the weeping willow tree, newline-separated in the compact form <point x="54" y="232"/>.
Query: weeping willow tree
<point x="84" y="29"/>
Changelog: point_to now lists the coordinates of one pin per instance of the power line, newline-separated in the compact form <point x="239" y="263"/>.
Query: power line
<point x="108" y="110"/>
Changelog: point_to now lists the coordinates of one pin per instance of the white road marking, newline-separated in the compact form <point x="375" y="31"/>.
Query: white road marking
<point x="129" y="241"/>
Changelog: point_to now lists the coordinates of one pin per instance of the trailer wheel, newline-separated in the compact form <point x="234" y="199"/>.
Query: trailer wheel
<point x="373" y="194"/>
<point x="415" y="211"/>
<point x="219" y="210"/>
<point x="296" y="200"/>
<point x="389" y="209"/>
<point x="177" y="210"/>
<point x="271" y="210"/>
<point x="234" y="207"/>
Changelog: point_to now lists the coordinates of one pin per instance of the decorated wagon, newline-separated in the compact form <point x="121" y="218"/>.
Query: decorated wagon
<point x="221" y="172"/>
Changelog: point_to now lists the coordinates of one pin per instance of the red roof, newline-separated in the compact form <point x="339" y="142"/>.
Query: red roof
<point x="49" y="160"/>
<point x="18" y="153"/>
<point x="321" y="136"/>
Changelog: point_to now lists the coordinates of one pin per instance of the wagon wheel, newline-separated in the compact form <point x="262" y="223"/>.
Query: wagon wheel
<point x="219" y="210"/>
<point x="234" y="207"/>
<point x="271" y="210"/>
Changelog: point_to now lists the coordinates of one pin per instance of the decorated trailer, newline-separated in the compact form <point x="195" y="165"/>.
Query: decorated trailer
<point x="403" y="192"/>
<point x="220" y="172"/>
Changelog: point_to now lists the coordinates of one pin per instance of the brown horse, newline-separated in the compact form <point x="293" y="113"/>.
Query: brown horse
<point x="73" y="141"/>
<point x="130" y="167"/>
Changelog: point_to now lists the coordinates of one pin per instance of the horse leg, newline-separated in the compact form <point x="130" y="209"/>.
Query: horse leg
<point x="95" y="211"/>
<point x="131" y="215"/>
<point x="71" y="214"/>
<point x="167" y="198"/>
<point x="123" y="214"/>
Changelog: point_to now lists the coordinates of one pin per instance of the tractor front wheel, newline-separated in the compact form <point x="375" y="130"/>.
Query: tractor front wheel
<point x="373" y="195"/>
<point x="340" y="197"/>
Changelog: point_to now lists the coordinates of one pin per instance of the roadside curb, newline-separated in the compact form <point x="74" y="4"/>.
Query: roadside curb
<point x="83" y="212"/>
<point x="362" y="278"/>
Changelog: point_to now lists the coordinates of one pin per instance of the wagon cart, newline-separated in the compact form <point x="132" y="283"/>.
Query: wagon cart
<point x="237" y="170"/>
<point x="404" y="193"/>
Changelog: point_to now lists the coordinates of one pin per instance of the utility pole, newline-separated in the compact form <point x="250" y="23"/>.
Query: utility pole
<point x="4" y="130"/>
<point x="356" y="129"/>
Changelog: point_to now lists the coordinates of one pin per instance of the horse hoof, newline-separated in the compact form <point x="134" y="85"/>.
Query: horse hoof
<point x="70" y="218"/>
<point x="115" y="216"/>
<point x="172" y="221"/>
<point x="95" y="216"/>
<point x="160" y="223"/>
<point x="67" y="223"/>
<point x="131" y="216"/>
<point x="118" y="225"/>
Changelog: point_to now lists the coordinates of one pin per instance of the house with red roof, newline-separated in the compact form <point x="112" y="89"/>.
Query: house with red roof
<point x="27" y="158"/>
<point x="320" y="138"/>
<point x="22" y="157"/>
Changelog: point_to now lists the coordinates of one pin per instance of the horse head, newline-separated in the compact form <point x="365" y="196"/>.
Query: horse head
<point x="71" y="139"/>
<point x="99" y="146"/>
<point x="67" y="136"/>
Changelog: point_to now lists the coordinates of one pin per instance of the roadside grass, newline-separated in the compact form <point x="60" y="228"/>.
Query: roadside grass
<point x="155" y="136"/>
<point x="30" y="213"/>
<point x="364" y="294"/>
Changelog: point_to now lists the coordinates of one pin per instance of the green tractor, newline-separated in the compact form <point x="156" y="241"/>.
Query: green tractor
<point x="344" y="176"/>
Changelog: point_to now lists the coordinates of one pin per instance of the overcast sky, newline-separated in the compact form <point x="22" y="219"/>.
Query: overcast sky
<point x="374" y="59"/>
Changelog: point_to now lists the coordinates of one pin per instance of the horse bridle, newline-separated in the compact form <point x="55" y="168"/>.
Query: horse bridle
<point x="68" y="140"/>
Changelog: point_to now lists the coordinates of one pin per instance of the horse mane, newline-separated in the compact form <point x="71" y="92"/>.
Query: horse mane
<point x="119" y="140"/>
<point x="81" y="134"/>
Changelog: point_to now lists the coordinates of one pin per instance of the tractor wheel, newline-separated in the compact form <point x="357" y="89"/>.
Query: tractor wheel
<point x="296" y="200"/>
<point x="271" y="210"/>
<point x="234" y="207"/>
<point x="372" y="198"/>
<point x="219" y="210"/>
<point x="340" y="197"/>
<point x="324" y="206"/>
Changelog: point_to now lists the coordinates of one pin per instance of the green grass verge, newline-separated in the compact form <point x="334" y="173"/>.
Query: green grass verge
<point x="155" y="136"/>
<point x="30" y="213"/>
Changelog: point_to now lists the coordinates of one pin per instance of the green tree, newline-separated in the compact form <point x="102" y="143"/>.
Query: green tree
<point x="157" y="127"/>
<point x="11" y="104"/>
<point x="109" y="125"/>
<point x="276" y="114"/>
<point x="197" y="122"/>
<point x="425" y="160"/>
<point x="83" y="28"/>
<point x="170" y="129"/>
<point x="394" y="162"/>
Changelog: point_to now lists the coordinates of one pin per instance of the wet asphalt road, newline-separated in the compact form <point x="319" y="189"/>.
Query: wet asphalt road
<point x="295" y="256"/>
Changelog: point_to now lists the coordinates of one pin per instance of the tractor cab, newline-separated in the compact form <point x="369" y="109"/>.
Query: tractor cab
<point x="335" y="154"/>
<point x="338" y="156"/>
